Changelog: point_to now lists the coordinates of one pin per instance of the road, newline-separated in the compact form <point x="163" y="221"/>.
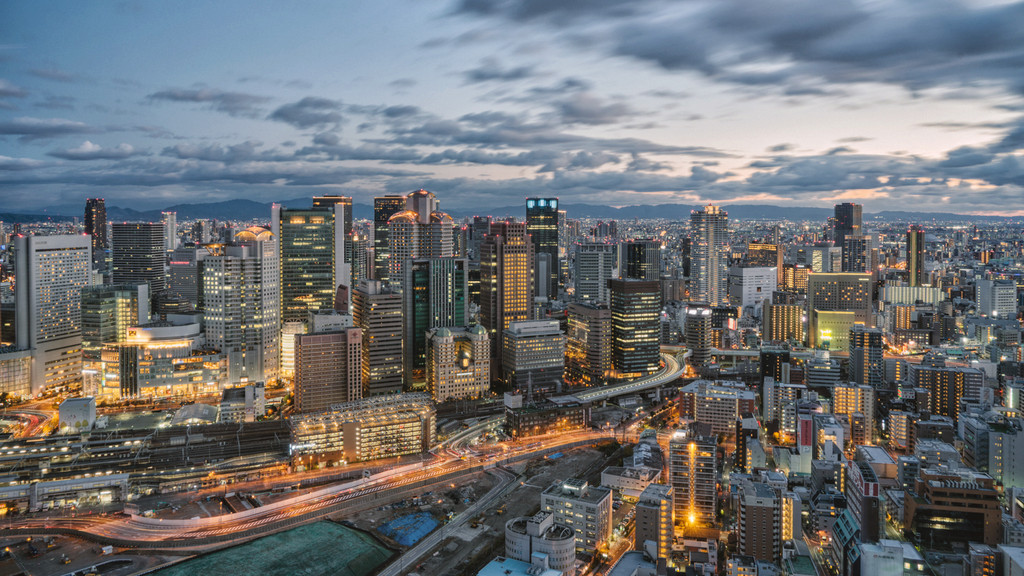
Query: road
<point x="506" y="480"/>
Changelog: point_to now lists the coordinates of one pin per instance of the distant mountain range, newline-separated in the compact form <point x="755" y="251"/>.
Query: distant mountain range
<point x="260" y="211"/>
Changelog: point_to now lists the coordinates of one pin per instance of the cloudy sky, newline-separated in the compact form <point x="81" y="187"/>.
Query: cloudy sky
<point x="898" y="104"/>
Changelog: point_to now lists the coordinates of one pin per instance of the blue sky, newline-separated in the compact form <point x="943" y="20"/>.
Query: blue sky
<point x="899" y="104"/>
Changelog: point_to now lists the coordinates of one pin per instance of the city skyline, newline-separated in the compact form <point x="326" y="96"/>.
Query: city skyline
<point x="691" y="103"/>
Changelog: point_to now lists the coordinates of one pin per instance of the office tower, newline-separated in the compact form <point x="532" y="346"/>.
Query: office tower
<point x="96" y="227"/>
<point x="384" y="208"/>
<point x="458" y="363"/>
<point x="916" y="274"/>
<point x="588" y="347"/>
<point x="436" y="295"/>
<point x="139" y="254"/>
<point x="693" y="476"/>
<point x="709" y="247"/>
<point x="698" y="334"/>
<point x="242" y="299"/>
<point x="50" y="272"/>
<point x="328" y="369"/>
<point x="636" y="326"/>
<point x="329" y="200"/>
<point x="311" y="244"/>
<point x="185" y="276"/>
<point x="594" y="266"/>
<point x="856" y="400"/>
<point x="478" y="229"/>
<point x="761" y="255"/>
<point x="654" y="519"/>
<point x="859" y="253"/>
<point x="716" y="404"/>
<point x="107" y="312"/>
<point x="533" y="355"/>
<point x="759" y="522"/>
<point x="847" y="222"/>
<point x="774" y="363"/>
<point x="506" y="281"/>
<point x="640" y="259"/>
<point x="361" y="258"/>
<point x="529" y="537"/>
<point x="824" y="258"/>
<point x="835" y="302"/>
<point x="783" y="322"/>
<point x="584" y="508"/>
<point x="170" y="223"/>
<point x="866" y="348"/>
<point x="419" y="231"/>
<point x="377" y="310"/>
<point x="542" y="226"/>
<point x="996" y="298"/>
<point x="750" y="288"/>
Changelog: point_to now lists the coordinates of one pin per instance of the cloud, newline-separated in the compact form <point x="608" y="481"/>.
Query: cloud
<point x="11" y="164"/>
<point x="310" y="112"/>
<point x="39" y="128"/>
<point x="8" y="90"/>
<point x="237" y="104"/>
<point x="588" y="109"/>
<point x="490" y="70"/>
<point x="53" y="74"/>
<point x="57" y="103"/>
<point x="244" y="152"/>
<point x="90" y="151"/>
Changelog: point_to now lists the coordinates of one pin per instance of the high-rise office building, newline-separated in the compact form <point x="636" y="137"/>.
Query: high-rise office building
<point x="996" y="298"/>
<point x="594" y="266"/>
<point x="50" y="272"/>
<point x="750" y="287"/>
<point x="636" y="326"/>
<point x="709" y="248"/>
<point x="640" y="259"/>
<point x="458" y="363"/>
<point x="848" y="221"/>
<point x="311" y="245"/>
<point x="107" y="312"/>
<point x="377" y="310"/>
<point x="832" y="295"/>
<point x="765" y="255"/>
<point x="422" y="230"/>
<point x="588" y="347"/>
<point x="242" y="299"/>
<point x="436" y="295"/>
<point x="916" y="274"/>
<point x="96" y="227"/>
<point x="328" y="369"/>
<point x="698" y="335"/>
<point x="542" y="226"/>
<point x="506" y="281"/>
<point x="533" y="354"/>
<point x="859" y="252"/>
<point x="693" y="476"/>
<point x="170" y="223"/>
<point x="184" y="275"/>
<point x="384" y="207"/>
<point x="866" y="363"/>
<point x="329" y="200"/>
<point x="138" y="250"/>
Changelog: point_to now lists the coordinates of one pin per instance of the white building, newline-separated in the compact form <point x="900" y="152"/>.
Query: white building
<point x="241" y="290"/>
<point x="533" y="352"/>
<point x="77" y="415"/>
<point x="629" y="482"/>
<point x="50" y="272"/>
<point x="595" y="264"/>
<point x="751" y="287"/>
<point x="529" y="536"/>
<point x="584" y="508"/>
<point x="996" y="298"/>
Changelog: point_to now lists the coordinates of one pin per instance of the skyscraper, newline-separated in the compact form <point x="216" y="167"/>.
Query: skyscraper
<point x="693" y="475"/>
<point x="506" y="281"/>
<point x="242" y="299"/>
<point x="458" y="363"/>
<point x="542" y="226"/>
<point x="422" y="230"/>
<point x="139" y="254"/>
<point x="915" y="256"/>
<point x="50" y="272"/>
<point x="636" y="326"/>
<point x="328" y="369"/>
<point x="848" y="221"/>
<point x="699" y="338"/>
<point x="170" y="222"/>
<point x="377" y="310"/>
<point x="866" y="363"/>
<point x="436" y="295"/>
<point x="329" y="200"/>
<point x="312" y="248"/>
<point x="588" y="346"/>
<point x="709" y="247"/>
<point x="384" y="208"/>
<point x="107" y="312"/>
<point x="96" y="227"/>
<point x="594" y="266"/>
<point x="640" y="259"/>
<point x="859" y="252"/>
<point x="830" y="296"/>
